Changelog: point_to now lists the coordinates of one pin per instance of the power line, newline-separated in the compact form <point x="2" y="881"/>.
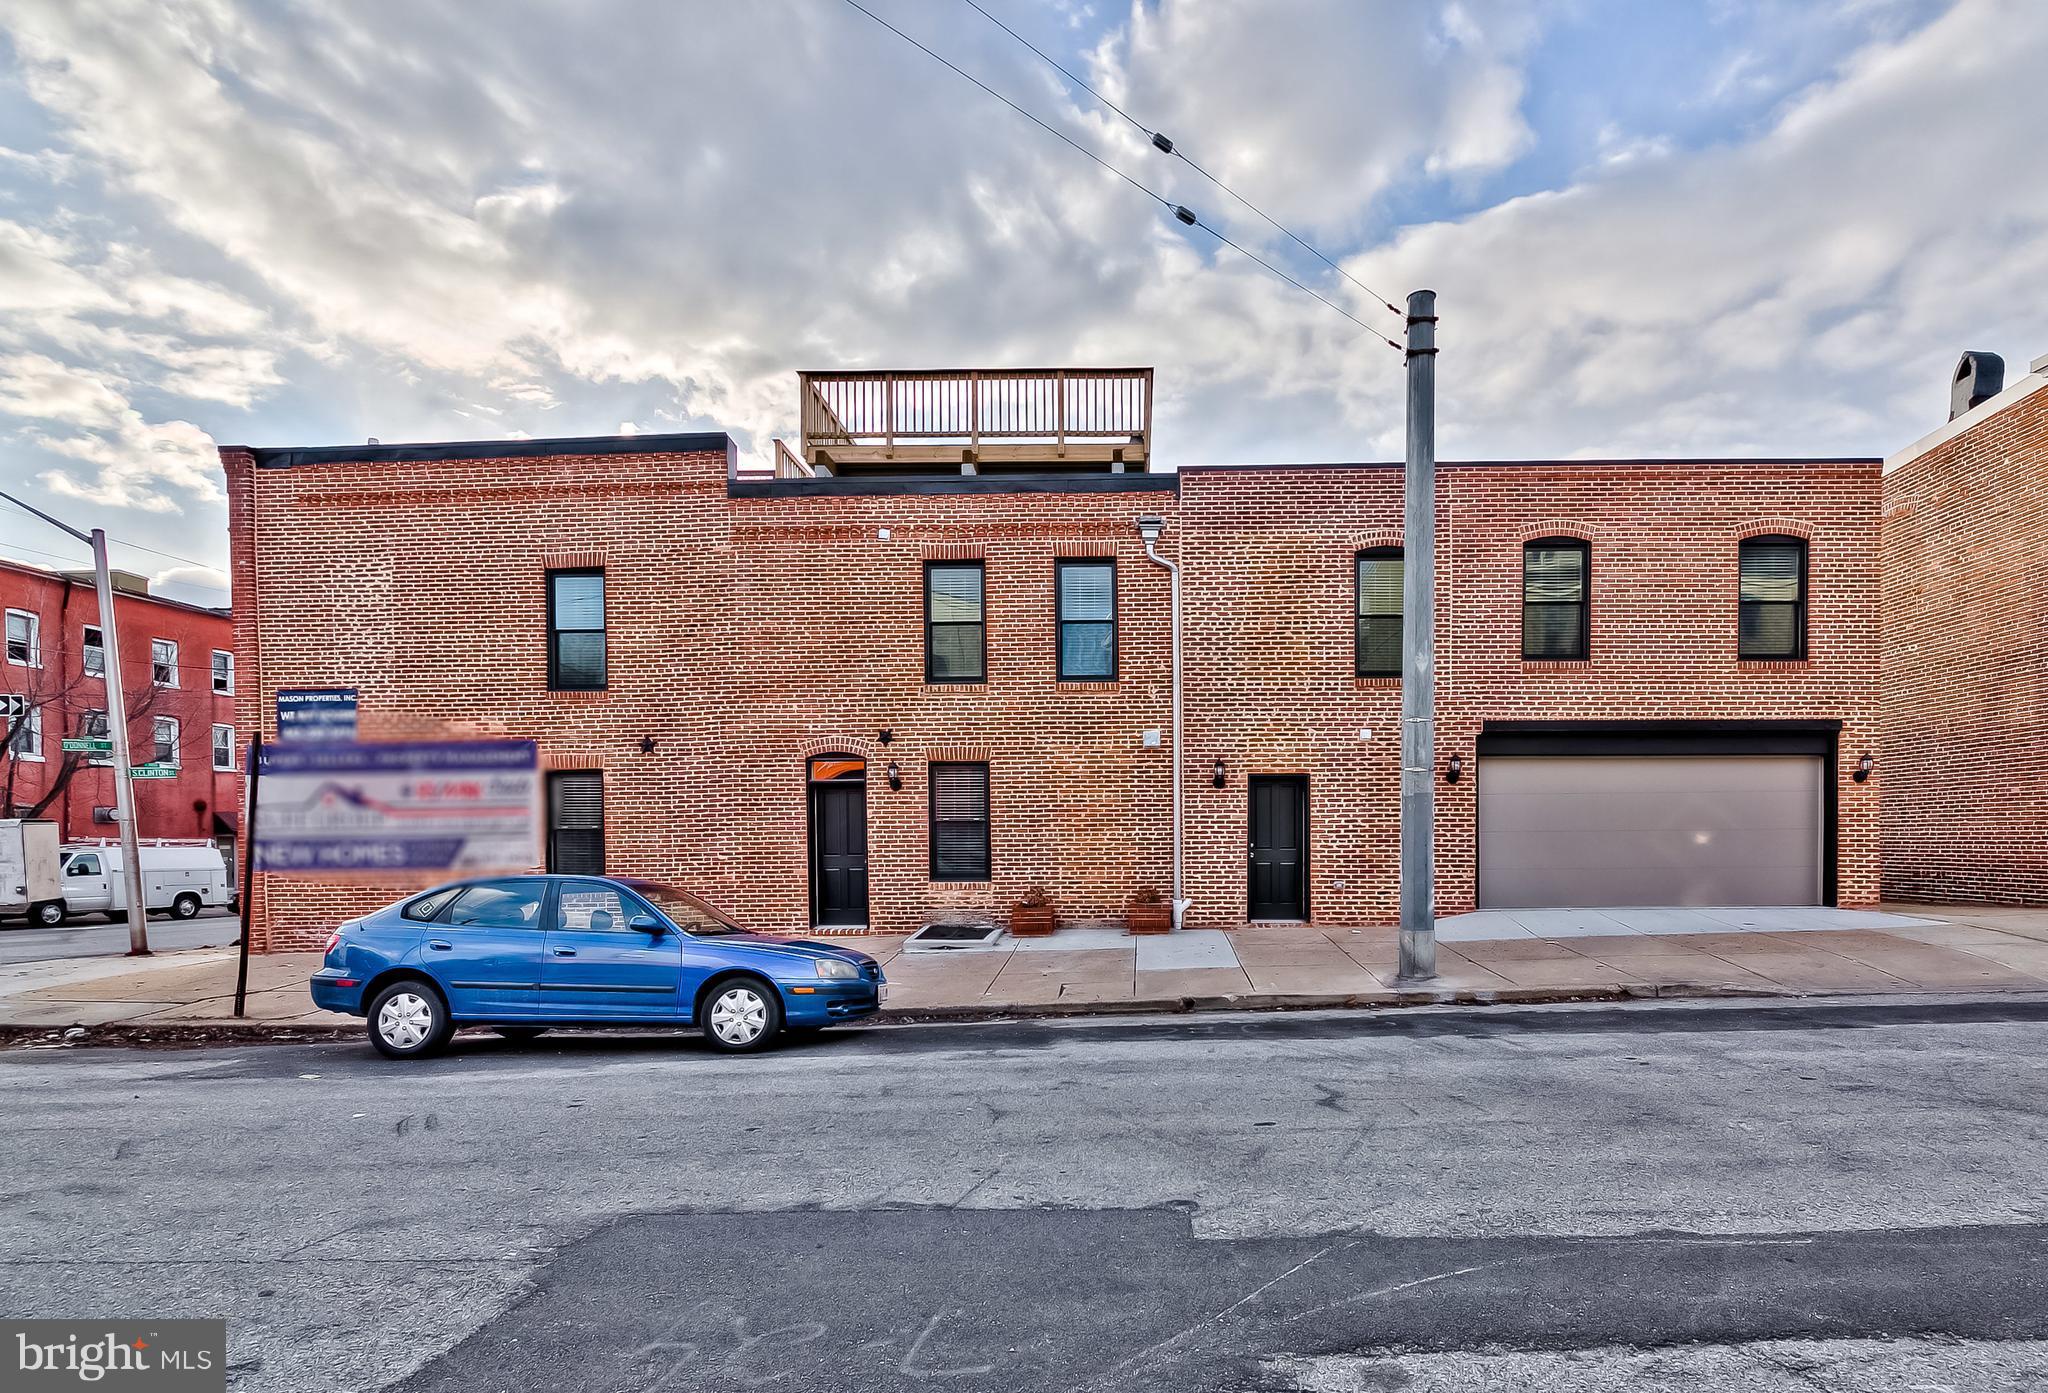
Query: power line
<point x="1166" y="146"/>
<point x="1182" y="213"/>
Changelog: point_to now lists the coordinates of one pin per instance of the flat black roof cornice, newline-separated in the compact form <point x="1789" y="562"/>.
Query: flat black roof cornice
<point x="698" y="442"/>
<point x="836" y="487"/>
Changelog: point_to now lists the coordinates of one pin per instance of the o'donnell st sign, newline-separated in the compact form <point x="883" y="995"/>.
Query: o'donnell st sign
<point x="328" y="807"/>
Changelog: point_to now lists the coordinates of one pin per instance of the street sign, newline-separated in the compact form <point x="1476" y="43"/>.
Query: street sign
<point x="316" y="713"/>
<point x="428" y="805"/>
<point x="97" y="747"/>
<point x="153" y="771"/>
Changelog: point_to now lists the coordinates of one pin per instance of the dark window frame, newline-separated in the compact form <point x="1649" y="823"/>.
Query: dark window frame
<point x="1060" y="621"/>
<point x="1798" y="606"/>
<point x="987" y="821"/>
<point x="554" y="830"/>
<point x="930" y="624"/>
<point x="1583" y="651"/>
<point x="555" y="631"/>
<point x="1358" y="615"/>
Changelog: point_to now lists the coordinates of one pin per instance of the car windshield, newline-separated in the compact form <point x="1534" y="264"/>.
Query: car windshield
<point x="684" y="909"/>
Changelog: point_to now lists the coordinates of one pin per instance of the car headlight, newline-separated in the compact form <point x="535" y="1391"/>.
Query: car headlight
<point x="838" y="969"/>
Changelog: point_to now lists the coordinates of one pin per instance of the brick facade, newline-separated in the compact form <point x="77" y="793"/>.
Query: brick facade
<point x="754" y="625"/>
<point x="201" y="802"/>
<point x="1965" y="746"/>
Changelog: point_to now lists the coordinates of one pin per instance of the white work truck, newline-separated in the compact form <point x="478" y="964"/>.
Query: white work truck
<point x="179" y="877"/>
<point x="28" y="870"/>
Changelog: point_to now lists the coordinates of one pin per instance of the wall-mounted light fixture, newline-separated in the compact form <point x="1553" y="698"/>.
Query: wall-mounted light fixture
<point x="1454" y="769"/>
<point x="1216" y="774"/>
<point x="1863" y="768"/>
<point x="895" y="775"/>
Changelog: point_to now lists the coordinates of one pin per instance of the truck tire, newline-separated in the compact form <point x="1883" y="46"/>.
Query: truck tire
<point x="185" y="907"/>
<point x="49" y="914"/>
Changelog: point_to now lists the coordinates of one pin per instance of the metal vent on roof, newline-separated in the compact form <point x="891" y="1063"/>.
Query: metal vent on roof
<point x="1978" y="378"/>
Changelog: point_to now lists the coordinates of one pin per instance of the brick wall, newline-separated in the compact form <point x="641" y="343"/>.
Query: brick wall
<point x="1270" y="557"/>
<point x="750" y="633"/>
<point x="1964" y="758"/>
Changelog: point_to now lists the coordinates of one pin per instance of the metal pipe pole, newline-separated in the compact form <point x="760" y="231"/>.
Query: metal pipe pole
<point x="1418" y="652"/>
<point x="1150" y="528"/>
<point x="117" y="729"/>
<point x="117" y="722"/>
<point x="248" y="885"/>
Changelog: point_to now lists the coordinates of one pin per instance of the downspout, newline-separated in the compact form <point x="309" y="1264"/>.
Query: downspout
<point x="1149" y="527"/>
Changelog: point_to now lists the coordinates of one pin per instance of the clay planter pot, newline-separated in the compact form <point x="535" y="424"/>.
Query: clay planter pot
<point x="1030" y="920"/>
<point x="1155" y="917"/>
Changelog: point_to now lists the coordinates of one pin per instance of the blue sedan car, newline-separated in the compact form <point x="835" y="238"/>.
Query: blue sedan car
<point x="526" y="953"/>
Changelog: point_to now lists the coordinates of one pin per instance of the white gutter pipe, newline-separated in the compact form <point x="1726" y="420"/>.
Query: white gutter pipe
<point x="1150" y="527"/>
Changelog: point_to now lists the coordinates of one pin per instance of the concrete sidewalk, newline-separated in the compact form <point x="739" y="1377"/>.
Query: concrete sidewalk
<point x="1492" y="957"/>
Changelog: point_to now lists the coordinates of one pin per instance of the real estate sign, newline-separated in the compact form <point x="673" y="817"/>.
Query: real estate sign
<point x="316" y="713"/>
<point x="467" y="806"/>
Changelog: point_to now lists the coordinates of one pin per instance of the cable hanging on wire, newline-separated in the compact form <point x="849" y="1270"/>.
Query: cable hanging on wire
<point x="1164" y="144"/>
<point x="1181" y="212"/>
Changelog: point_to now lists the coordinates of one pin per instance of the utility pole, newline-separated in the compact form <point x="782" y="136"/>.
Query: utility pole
<point x="117" y="727"/>
<point x="1418" y="651"/>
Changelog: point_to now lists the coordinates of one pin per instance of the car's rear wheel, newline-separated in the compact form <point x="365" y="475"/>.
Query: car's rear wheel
<point x="185" y="907"/>
<point x="520" y="1032"/>
<point x="408" y="1019"/>
<point x="740" y="1014"/>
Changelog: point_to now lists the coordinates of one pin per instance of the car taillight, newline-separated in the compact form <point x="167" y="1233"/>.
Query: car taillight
<point x="333" y="942"/>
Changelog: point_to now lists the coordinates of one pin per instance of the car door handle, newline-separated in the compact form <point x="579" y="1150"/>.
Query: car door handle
<point x="565" y="952"/>
<point x="441" y="945"/>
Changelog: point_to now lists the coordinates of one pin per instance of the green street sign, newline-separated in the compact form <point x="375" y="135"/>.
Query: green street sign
<point x="98" y="747"/>
<point x="154" y="771"/>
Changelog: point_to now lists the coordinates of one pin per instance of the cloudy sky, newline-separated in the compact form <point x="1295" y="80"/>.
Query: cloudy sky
<point x="1703" y="226"/>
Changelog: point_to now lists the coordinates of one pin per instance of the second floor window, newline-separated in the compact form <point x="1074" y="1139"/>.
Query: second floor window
<point x="576" y="648"/>
<point x="1554" y="618"/>
<point x="954" y="632"/>
<point x="92" y="651"/>
<point x="24" y="726"/>
<point x="23" y="639"/>
<point x="163" y="662"/>
<point x="1379" y="613"/>
<point x="1087" y="620"/>
<point x="959" y="822"/>
<point x="224" y="748"/>
<point x="1772" y="619"/>
<point x="223" y="672"/>
<point x="166" y="740"/>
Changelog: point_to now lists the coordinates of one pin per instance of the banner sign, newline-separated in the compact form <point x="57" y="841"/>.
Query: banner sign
<point x="318" y="713"/>
<point x="468" y="806"/>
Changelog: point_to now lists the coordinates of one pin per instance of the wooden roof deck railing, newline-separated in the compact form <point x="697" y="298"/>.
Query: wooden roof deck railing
<point x="1053" y="416"/>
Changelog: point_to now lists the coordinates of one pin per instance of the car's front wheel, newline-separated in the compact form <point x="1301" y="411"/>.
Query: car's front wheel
<point x="50" y="913"/>
<point x="409" y="1019"/>
<point x="742" y="1014"/>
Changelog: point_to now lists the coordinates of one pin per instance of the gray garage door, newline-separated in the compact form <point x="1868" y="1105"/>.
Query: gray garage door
<point x="1584" y="831"/>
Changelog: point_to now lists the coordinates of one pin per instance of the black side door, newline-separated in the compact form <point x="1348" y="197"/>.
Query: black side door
<point x="1279" y="846"/>
<point x="839" y="853"/>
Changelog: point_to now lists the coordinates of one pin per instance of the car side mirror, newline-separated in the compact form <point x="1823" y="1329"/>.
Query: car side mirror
<point x="648" y="924"/>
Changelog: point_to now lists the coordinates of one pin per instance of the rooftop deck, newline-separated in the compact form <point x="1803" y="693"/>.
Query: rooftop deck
<point x="973" y="421"/>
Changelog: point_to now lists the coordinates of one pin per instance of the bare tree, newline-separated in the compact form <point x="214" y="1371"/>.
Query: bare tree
<point x="42" y="708"/>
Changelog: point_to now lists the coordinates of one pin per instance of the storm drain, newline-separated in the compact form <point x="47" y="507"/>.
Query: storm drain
<point x="951" y="938"/>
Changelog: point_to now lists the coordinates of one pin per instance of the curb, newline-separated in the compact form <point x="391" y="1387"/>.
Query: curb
<point x="187" y="1034"/>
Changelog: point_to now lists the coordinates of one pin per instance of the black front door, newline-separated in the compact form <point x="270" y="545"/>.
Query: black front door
<point x="839" y="853"/>
<point x="1279" y="859"/>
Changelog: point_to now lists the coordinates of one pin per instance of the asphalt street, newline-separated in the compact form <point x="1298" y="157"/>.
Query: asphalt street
<point x="1734" y="1196"/>
<point x="96" y="938"/>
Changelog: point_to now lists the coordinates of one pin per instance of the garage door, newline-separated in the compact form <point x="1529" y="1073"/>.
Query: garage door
<point x="1584" y="831"/>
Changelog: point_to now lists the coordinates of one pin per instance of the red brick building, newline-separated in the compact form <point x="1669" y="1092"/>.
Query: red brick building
<point x="1966" y="651"/>
<point x="178" y="664"/>
<point x="927" y="669"/>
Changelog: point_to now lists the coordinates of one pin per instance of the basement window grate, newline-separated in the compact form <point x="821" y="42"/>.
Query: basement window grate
<point x="941" y="938"/>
